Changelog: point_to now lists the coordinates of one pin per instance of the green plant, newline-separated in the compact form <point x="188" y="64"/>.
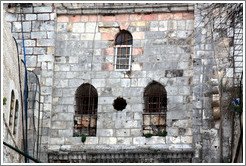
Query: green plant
<point x="162" y="133"/>
<point x="4" y="101"/>
<point x="76" y="135"/>
<point x="148" y="135"/>
<point x="155" y="151"/>
<point x="83" y="138"/>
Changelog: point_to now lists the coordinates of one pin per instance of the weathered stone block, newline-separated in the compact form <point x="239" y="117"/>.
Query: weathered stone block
<point x="189" y="25"/>
<point x="154" y="35"/>
<point x="78" y="27"/>
<point x="52" y="16"/>
<point x="122" y="132"/>
<point x="43" y="16"/>
<point x="46" y="42"/>
<point x="28" y="50"/>
<point x="29" y="43"/>
<point x="26" y="26"/>
<point x="107" y="140"/>
<point x="131" y="124"/>
<point x="58" y="125"/>
<point x="56" y="141"/>
<point x="98" y="82"/>
<point x="31" y="17"/>
<point x="61" y="83"/>
<point x="31" y="61"/>
<point x="91" y="141"/>
<point x="172" y="25"/>
<point x="154" y="26"/>
<point x="65" y="133"/>
<point x="91" y="27"/>
<point x="61" y="27"/>
<point x="139" y="140"/>
<point x="124" y="140"/>
<point x="43" y="9"/>
<point x="39" y="50"/>
<point x="186" y="139"/>
<point x="47" y="25"/>
<point x="45" y="58"/>
<point x="38" y="35"/>
<point x="173" y="140"/>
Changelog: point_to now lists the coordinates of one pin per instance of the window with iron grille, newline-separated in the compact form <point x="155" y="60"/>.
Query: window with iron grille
<point x="123" y="48"/>
<point x="85" y="118"/>
<point x="11" y="112"/>
<point x="154" y="116"/>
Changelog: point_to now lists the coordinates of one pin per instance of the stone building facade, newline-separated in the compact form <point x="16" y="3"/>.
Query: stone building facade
<point x="74" y="49"/>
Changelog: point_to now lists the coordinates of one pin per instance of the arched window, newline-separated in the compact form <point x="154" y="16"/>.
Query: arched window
<point x="11" y="111"/>
<point x="85" y="110"/>
<point x="154" y="116"/>
<point x="123" y="45"/>
<point x="16" y="116"/>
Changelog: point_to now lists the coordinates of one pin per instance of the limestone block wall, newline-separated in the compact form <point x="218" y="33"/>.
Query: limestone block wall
<point x="85" y="54"/>
<point x="38" y="29"/>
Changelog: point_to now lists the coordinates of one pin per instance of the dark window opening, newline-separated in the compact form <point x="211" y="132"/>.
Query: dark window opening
<point x="11" y="112"/>
<point x="16" y="117"/>
<point x="154" y="116"/>
<point x="123" y="43"/>
<point x="85" y="118"/>
<point x="119" y="104"/>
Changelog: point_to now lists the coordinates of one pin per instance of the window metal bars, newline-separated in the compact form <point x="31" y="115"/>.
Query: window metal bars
<point x="86" y="110"/>
<point x="123" y="44"/>
<point x="125" y="64"/>
<point x="154" y="123"/>
<point x="155" y="103"/>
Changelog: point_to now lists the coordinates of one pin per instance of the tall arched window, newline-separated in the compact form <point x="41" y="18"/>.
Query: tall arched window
<point x="11" y="111"/>
<point x="85" y="110"/>
<point x="16" y="116"/>
<point x="123" y="46"/>
<point x="154" y="116"/>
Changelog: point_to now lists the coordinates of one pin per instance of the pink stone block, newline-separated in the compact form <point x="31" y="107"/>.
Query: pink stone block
<point x="108" y="18"/>
<point x="137" y="51"/>
<point x="75" y="18"/>
<point x="177" y="16"/>
<point x="135" y="17"/>
<point x="108" y="51"/>
<point x="165" y="16"/>
<point x="62" y="19"/>
<point x="107" y="67"/>
<point x="84" y="18"/>
<point x="122" y="17"/>
<point x="94" y="18"/>
<point x="108" y="36"/>
<point x="149" y="17"/>
<point x="138" y="35"/>
<point x="188" y="15"/>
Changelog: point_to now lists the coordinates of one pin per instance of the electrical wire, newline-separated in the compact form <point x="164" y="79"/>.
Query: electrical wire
<point x="39" y="86"/>
<point x="22" y="110"/>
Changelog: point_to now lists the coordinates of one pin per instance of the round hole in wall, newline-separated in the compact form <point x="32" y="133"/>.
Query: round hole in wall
<point x="119" y="104"/>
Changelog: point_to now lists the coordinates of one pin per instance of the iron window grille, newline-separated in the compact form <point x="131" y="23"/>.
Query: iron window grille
<point x="123" y="49"/>
<point x="85" y="118"/>
<point x="16" y="116"/>
<point x="11" y="112"/>
<point x="154" y="116"/>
